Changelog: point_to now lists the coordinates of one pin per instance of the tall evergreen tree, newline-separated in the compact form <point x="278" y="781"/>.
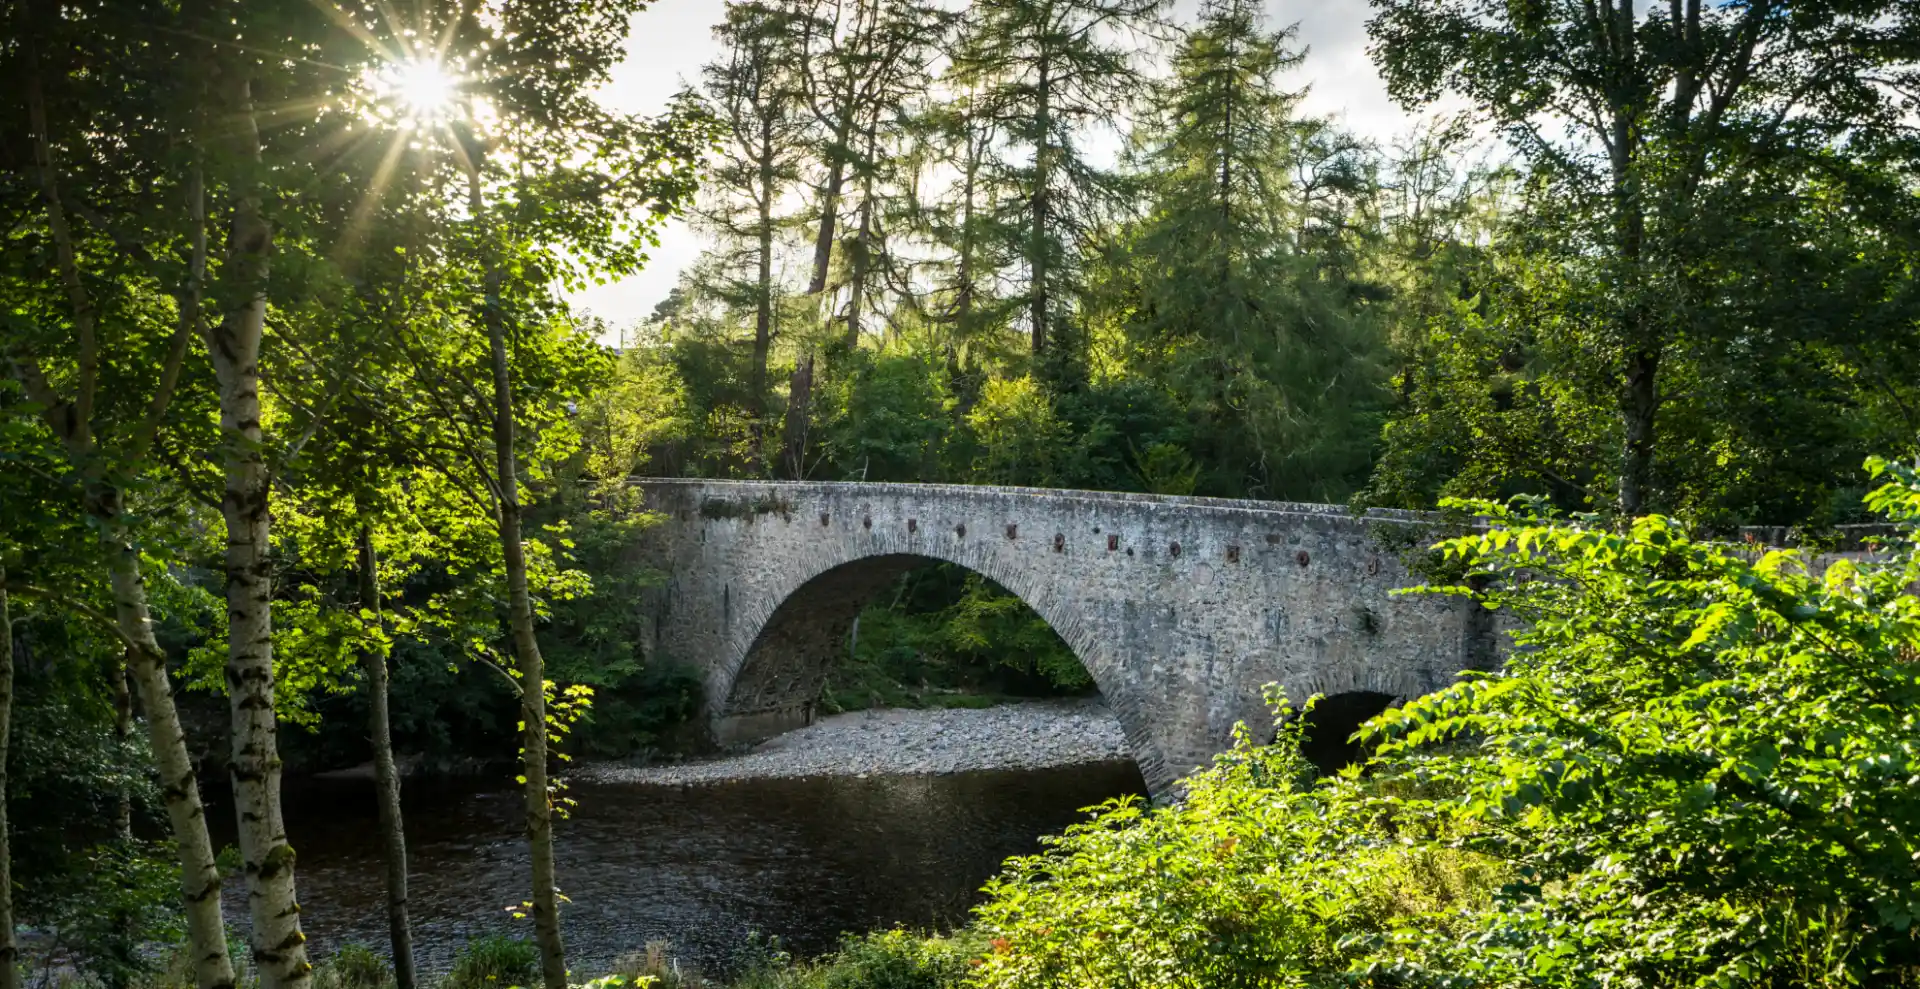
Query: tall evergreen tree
<point x="1236" y="295"/>
<point x="866" y="62"/>
<point x="958" y="218"/>
<point x="756" y="89"/>
<point x="1041" y="74"/>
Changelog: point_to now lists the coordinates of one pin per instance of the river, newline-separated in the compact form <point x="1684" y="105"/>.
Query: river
<point x="699" y="866"/>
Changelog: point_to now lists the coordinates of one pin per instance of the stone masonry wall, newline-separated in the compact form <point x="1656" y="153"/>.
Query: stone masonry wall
<point x="1180" y="608"/>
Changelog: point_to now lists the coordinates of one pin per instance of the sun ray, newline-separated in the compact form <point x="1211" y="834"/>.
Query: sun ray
<point x="342" y="143"/>
<point x="274" y="114"/>
<point x="357" y="224"/>
<point x="450" y="32"/>
<point x="404" y="34"/>
<point x="359" y="31"/>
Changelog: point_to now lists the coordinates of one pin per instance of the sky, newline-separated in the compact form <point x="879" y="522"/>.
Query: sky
<point x="673" y="38"/>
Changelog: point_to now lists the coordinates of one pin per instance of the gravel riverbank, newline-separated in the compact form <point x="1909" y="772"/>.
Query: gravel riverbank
<point x="895" y="741"/>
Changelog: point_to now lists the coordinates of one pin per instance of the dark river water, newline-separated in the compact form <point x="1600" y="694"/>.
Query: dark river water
<point x="701" y="867"/>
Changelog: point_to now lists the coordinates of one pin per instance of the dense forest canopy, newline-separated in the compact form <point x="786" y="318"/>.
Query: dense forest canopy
<point x="297" y="430"/>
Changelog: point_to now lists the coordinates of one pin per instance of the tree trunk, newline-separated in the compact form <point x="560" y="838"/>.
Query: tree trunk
<point x="122" y="731"/>
<point x="199" y="877"/>
<point x="1642" y="403"/>
<point x="1037" y="243"/>
<point x="393" y="835"/>
<point x="72" y="422"/>
<point x="857" y="287"/>
<point x="829" y="210"/>
<point x="763" y="296"/>
<point x="533" y="697"/>
<point x="125" y="949"/>
<point x="279" y="948"/>
<point x="963" y="302"/>
<point x="9" y="953"/>
<point x="799" y="398"/>
<point x="1641" y="396"/>
<point x="862" y="251"/>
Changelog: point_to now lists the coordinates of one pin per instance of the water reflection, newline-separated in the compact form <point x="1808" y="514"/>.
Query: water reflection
<point x="701" y="866"/>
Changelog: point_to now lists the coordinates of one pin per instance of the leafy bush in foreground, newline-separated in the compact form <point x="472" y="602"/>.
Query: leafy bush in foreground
<point x="1705" y="769"/>
<point x="1259" y="877"/>
<point x="1696" y="769"/>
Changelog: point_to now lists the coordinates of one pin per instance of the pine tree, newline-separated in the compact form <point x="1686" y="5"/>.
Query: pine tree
<point x="874" y="61"/>
<point x="756" y="90"/>
<point x="1041" y="74"/>
<point x="1239" y="291"/>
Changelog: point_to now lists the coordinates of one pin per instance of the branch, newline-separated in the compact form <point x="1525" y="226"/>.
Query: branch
<point x="85" y="611"/>
<point x="80" y="412"/>
<point x="189" y="303"/>
<point x="481" y="657"/>
<point x="187" y="482"/>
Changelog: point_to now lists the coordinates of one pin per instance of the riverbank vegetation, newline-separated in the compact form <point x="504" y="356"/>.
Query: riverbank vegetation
<point x="306" y="461"/>
<point x="1694" y="769"/>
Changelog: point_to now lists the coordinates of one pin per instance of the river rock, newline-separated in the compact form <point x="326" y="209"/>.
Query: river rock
<point x="904" y="742"/>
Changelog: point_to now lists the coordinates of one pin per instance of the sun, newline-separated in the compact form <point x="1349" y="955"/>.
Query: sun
<point x="420" y="88"/>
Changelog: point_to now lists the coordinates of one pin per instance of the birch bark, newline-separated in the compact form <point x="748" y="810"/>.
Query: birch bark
<point x="279" y="947"/>
<point x="71" y="419"/>
<point x="526" y="646"/>
<point x="179" y="789"/>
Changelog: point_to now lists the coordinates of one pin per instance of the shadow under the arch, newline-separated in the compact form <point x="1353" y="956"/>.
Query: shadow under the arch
<point x="899" y="655"/>
<point x="1327" y="742"/>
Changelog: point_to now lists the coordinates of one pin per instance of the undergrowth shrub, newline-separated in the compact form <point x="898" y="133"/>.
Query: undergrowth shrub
<point x="1259" y="877"/>
<point x="352" y="966"/>
<point x="495" y="962"/>
<point x="1702" y="768"/>
<point x="1699" y="767"/>
<point x="896" y="959"/>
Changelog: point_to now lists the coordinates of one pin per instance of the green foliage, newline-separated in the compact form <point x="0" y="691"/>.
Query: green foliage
<point x="1018" y="435"/>
<point x="1697" y="762"/>
<point x="1239" y="292"/>
<point x="1258" y="877"/>
<point x="950" y="638"/>
<point x="887" y="417"/>
<point x="353" y="966"/>
<point x="115" y="899"/>
<point x="496" y="962"/>
<point x="895" y="959"/>
<point x="1695" y="769"/>
<point x="1634" y="344"/>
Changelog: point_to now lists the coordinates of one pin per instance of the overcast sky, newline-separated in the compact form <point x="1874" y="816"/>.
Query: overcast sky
<point x="674" y="37"/>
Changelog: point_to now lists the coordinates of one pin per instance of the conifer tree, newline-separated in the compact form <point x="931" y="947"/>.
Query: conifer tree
<point x="874" y="60"/>
<point x="1238" y="288"/>
<point x="755" y="89"/>
<point x="1041" y="74"/>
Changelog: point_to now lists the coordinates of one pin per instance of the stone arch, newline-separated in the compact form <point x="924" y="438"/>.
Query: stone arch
<point x="1333" y="720"/>
<point x="779" y="647"/>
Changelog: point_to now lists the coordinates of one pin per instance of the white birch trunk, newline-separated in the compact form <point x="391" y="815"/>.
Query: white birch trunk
<point x="279" y="948"/>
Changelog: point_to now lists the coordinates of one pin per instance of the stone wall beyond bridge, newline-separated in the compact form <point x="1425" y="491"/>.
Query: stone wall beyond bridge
<point x="1180" y="608"/>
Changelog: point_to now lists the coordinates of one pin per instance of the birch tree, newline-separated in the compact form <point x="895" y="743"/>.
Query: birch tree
<point x="114" y="216"/>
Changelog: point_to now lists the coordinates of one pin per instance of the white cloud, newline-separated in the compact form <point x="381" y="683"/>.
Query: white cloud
<point x="675" y="37"/>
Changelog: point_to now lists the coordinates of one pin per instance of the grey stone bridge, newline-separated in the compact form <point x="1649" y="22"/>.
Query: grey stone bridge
<point x="1180" y="608"/>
